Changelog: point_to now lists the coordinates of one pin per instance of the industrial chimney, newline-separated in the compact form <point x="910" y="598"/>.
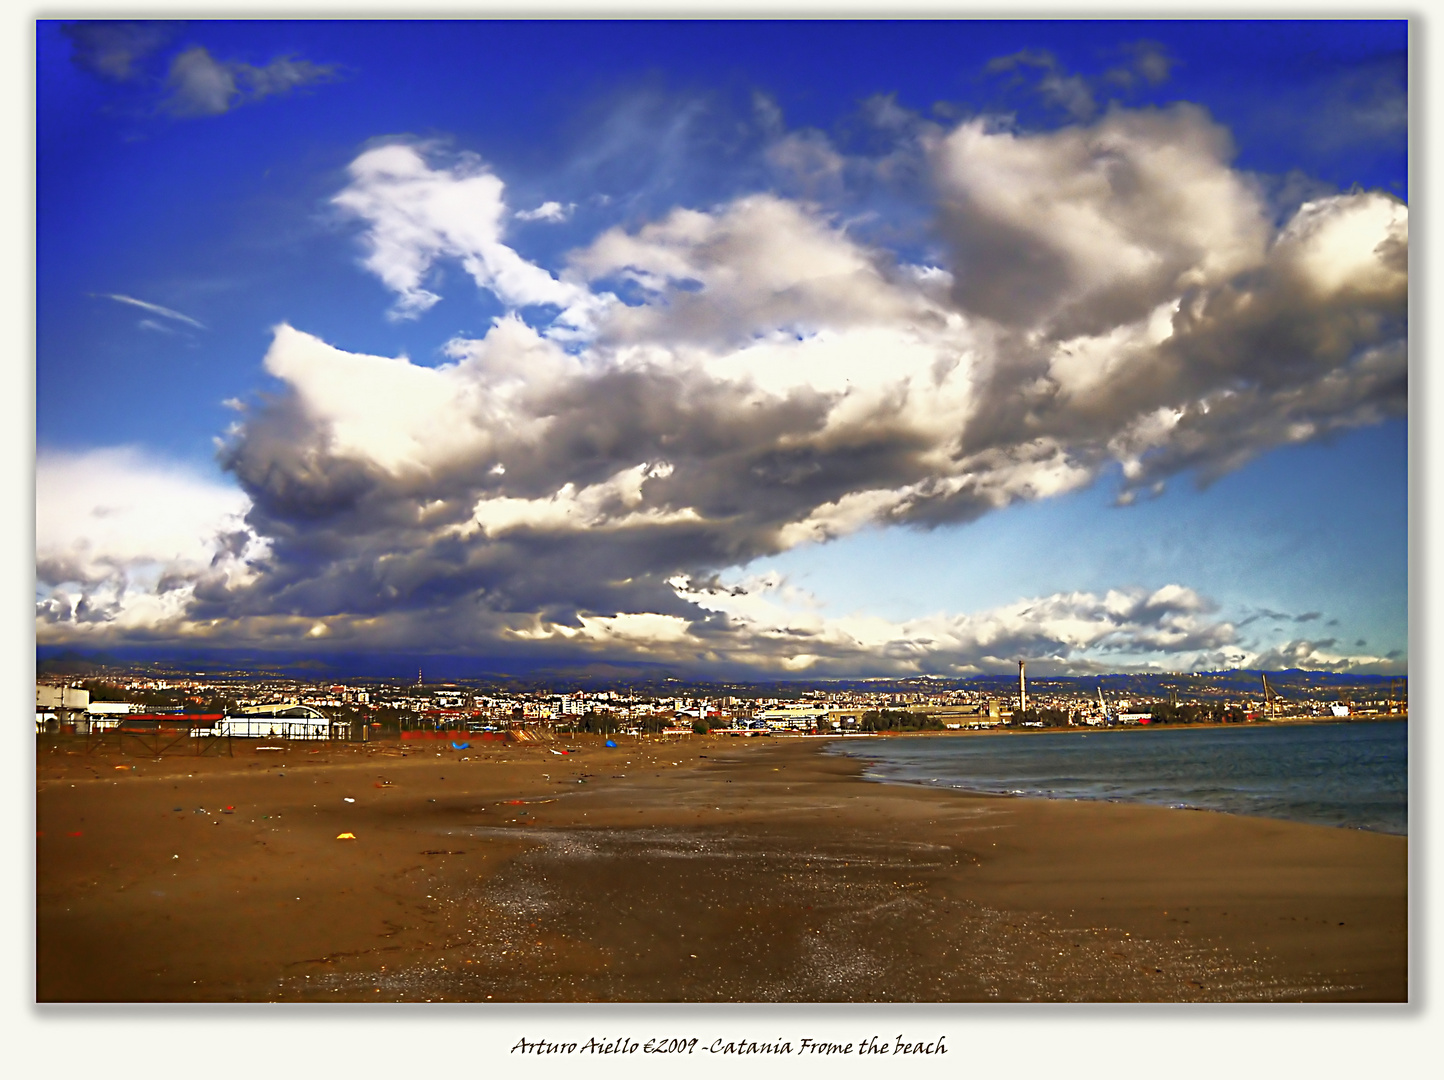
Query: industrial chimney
<point x="1022" y="687"/>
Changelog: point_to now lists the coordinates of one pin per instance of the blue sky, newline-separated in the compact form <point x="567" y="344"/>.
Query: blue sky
<point x="814" y="348"/>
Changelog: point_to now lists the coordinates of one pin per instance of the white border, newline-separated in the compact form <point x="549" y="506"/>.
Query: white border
<point x="1168" y="1043"/>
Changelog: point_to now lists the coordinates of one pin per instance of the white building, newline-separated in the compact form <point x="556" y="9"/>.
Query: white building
<point x="106" y="714"/>
<point x="62" y="704"/>
<point x="792" y="718"/>
<point x="289" y="720"/>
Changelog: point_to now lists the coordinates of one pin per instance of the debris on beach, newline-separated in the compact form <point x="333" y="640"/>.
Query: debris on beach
<point x="347" y="836"/>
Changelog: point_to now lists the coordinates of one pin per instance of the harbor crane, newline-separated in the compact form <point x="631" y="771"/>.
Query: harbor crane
<point x="1271" y="698"/>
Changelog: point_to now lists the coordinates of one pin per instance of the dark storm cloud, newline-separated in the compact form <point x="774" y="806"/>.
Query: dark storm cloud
<point x="348" y="535"/>
<point x="729" y="382"/>
<point x="1117" y="293"/>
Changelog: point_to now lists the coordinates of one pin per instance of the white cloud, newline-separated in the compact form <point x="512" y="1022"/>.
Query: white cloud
<point x="613" y="503"/>
<point x="629" y="631"/>
<point x="1358" y="242"/>
<point x="417" y="215"/>
<point x="760" y="264"/>
<point x="548" y="211"/>
<point x="122" y="540"/>
<point x="396" y="414"/>
<point x="767" y="631"/>
<point x="725" y="383"/>
<point x="114" y="506"/>
<point x="1321" y="655"/>
<point x="145" y="305"/>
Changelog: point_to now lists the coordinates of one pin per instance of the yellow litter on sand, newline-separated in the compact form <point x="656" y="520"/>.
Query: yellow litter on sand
<point x="347" y="836"/>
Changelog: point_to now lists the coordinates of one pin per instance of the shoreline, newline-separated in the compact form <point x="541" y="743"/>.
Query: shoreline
<point x="704" y="869"/>
<point x="961" y="787"/>
<point x="1087" y="729"/>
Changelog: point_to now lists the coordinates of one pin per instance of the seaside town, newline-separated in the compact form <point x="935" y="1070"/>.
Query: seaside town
<point x="276" y="706"/>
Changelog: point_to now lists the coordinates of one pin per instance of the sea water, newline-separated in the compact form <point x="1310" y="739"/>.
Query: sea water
<point x="1353" y="775"/>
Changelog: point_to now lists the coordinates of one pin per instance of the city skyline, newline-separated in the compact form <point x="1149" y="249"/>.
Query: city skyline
<point x="759" y="350"/>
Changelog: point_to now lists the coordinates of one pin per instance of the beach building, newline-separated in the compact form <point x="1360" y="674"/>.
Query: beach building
<point x="792" y="718"/>
<point x="288" y="720"/>
<point x="106" y="714"/>
<point x="952" y="715"/>
<point x="57" y="706"/>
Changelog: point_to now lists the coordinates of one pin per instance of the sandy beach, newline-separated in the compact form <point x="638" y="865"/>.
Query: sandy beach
<point x="697" y="869"/>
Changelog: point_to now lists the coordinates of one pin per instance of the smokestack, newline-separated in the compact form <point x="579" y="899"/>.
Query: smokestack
<point x="1022" y="687"/>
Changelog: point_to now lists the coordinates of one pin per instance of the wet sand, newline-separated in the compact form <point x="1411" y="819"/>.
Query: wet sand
<point x="696" y="869"/>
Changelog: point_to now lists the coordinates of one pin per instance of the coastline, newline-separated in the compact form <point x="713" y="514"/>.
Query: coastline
<point x="1158" y="779"/>
<point x="706" y="869"/>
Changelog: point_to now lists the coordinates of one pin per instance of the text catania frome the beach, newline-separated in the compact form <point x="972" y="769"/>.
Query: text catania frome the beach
<point x="873" y="1045"/>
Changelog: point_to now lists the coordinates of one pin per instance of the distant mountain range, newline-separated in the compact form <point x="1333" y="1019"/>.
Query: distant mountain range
<point x="660" y="679"/>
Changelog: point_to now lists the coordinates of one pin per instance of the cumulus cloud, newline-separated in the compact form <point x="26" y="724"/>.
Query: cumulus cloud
<point x="201" y="85"/>
<point x="1324" y="655"/>
<point x="714" y="384"/>
<point x="1056" y="633"/>
<point x="760" y="266"/>
<point x="125" y="542"/>
<point x="1091" y="227"/>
